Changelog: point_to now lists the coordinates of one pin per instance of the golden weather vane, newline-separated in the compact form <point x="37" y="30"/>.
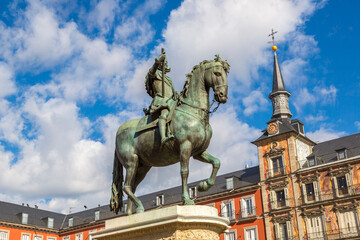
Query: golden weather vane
<point x="274" y="47"/>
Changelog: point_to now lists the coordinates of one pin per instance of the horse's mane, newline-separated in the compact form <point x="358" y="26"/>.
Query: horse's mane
<point x="217" y="58"/>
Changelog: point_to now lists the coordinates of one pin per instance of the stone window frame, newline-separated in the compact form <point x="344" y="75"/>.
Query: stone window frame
<point x="7" y="233"/>
<point x="49" y="219"/>
<point x="287" y="219"/>
<point x="352" y="207"/>
<point x="230" y="231"/>
<point x="229" y="183"/>
<point x="273" y="196"/>
<point x="38" y="237"/>
<point x="223" y="207"/>
<point x="249" y="228"/>
<point x="315" y="180"/>
<point x="24" y="220"/>
<point x="66" y="237"/>
<point x="242" y="202"/>
<point x="274" y="153"/>
<point x="347" y="172"/>
<point x="319" y="212"/>
<point x="344" y="150"/>
<point x="51" y="238"/>
<point x="25" y="234"/>
<point x="79" y="234"/>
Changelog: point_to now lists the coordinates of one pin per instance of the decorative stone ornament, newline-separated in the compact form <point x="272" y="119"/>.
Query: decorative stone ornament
<point x="272" y="128"/>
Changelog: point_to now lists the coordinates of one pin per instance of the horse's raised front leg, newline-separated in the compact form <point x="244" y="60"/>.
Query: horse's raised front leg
<point x="207" y="158"/>
<point x="131" y="168"/>
<point x="140" y="174"/>
<point x="185" y="153"/>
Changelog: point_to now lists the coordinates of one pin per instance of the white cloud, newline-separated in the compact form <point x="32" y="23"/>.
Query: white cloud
<point x="314" y="119"/>
<point x="7" y="85"/>
<point x="326" y="95"/>
<point x="293" y="72"/>
<point x="103" y="15"/>
<point x="303" y="98"/>
<point x="324" y="134"/>
<point x="255" y="102"/>
<point x="237" y="30"/>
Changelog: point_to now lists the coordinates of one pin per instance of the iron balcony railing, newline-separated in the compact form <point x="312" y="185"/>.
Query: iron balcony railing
<point x="275" y="172"/>
<point x="229" y="215"/>
<point x="241" y="215"/>
<point x="342" y="233"/>
<point x="330" y="194"/>
<point x="247" y="213"/>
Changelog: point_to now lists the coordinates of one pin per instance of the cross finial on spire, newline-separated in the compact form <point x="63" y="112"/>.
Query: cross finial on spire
<point x="274" y="48"/>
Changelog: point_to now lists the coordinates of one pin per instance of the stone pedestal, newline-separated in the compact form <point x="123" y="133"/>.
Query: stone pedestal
<point x="168" y="223"/>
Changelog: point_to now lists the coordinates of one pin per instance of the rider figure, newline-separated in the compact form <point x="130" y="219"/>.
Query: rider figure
<point x="154" y="87"/>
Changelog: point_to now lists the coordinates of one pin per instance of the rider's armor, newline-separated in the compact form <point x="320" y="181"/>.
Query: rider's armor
<point x="160" y="104"/>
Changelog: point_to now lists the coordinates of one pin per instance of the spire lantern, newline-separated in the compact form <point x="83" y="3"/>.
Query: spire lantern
<point x="279" y="95"/>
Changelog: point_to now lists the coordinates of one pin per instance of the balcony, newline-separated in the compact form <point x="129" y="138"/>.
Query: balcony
<point x="279" y="204"/>
<point x="247" y="214"/>
<point x="229" y="215"/>
<point x="242" y="215"/>
<point x="342" y="233"/>
<point x="330" y="194"/>
<point x="276" y="172"/>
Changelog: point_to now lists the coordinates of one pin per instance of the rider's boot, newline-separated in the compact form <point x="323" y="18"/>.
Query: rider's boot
<point x="162" y="129"/>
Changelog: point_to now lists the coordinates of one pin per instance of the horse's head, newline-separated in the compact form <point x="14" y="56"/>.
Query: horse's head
<point x="215" y="76"/>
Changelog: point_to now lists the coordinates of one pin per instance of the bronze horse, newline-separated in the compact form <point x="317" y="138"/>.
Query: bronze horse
<point x="139" y="151"/>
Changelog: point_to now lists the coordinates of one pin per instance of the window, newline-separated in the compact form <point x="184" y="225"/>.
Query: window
<point x="79" y="236"/>
<point x="229" y="183"/>
<point x="97" y="215"/>
<point x="25" y="236"/>
<point x="311" y="161"/>
<point x="283" y="231"/>
<point x="278" y="168"/>
<point x="250" y="233"/>
<point x="227" y="209"/>
<point x="193" y="192"/>
<point x="342" y="186"/>
<point x="50" y="223"/>
<point x="71" y="222"/>
<point x="230" y="235"/>
<point x="4" y="235"/>
<point x="66" y="238"/>
<point x="160" y="200"/>
<point x="51" y="238"/>
<point x="348" y="223"/>
<point x="24" y="218"/>
<point x="341" y="154"/>
<point x="315" y="227"/>
<point x="280" y="198"/>
<point x="38" y="237"/>
<point x="247" y="204"/>
<point x="310" y="192"/>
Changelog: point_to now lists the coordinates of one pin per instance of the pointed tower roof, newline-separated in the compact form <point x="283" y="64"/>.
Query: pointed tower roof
<point x="279" y="95"/>
<point x="278" y="82"/>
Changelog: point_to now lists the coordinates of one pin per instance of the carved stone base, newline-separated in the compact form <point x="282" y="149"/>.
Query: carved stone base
<point x="170" y="223"/>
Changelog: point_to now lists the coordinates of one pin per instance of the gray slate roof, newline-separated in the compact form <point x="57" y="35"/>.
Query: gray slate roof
<point x="9" y="211"/>
<point x="326" y="152"/>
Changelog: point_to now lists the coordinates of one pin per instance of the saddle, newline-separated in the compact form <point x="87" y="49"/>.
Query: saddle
<point x="151" y="121"/>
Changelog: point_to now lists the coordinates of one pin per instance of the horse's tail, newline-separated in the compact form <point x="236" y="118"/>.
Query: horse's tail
<point x="116" y="200"/>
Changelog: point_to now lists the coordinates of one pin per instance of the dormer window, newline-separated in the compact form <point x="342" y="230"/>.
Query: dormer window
<point x="311" y="161"/>
<point x="71" y="222"/>
<point x="159" y="200"/>
<point x="229" y="183"/>
<point x="24" y="218"/>
<point x="193" y="192"/>
<point x="97" y="215"/>
<point x="341" y="154"/>
<point x="50" y="222"/>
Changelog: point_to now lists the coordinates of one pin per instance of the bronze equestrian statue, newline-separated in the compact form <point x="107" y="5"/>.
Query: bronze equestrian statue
<point x="143" y="143"/>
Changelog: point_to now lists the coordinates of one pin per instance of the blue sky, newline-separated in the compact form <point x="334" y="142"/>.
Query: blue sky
<point x="73" y="71"/>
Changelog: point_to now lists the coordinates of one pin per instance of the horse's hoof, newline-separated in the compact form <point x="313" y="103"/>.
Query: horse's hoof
<point x="203" y="186"/>
<point x="188" y="202"/>
<point x="139" y="210"/>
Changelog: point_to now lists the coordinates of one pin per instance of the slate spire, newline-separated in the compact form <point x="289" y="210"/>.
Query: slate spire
<point x="279" y="95"/>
